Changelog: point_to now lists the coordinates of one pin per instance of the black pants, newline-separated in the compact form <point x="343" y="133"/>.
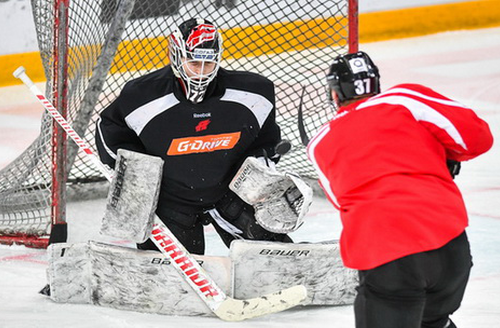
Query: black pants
<point x="416" y="291"/>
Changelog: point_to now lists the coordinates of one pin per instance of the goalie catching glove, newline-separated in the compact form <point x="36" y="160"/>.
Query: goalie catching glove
<point x="280" y="200"/>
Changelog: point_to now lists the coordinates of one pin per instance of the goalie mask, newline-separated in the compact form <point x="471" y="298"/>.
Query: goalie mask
<point x="352" y="76"/>
<point x="195" y="50"/>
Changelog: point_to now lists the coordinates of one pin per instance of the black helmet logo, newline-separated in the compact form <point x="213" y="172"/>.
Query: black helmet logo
<point x="358" y="65"/>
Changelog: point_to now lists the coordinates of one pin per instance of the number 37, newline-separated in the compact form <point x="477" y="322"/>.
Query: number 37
<point x="362" y="86"/>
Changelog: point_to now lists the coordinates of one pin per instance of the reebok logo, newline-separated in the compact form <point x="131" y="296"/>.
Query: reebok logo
<point x="203" y="144"/>
<point x="203" y="125"/>
<point x="202" y="115"/>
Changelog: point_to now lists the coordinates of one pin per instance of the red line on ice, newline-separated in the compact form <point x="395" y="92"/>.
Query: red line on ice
<point x="24" y="257"/>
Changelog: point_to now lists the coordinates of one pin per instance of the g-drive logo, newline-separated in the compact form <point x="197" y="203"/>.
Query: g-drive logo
<point x="203" y="144"/>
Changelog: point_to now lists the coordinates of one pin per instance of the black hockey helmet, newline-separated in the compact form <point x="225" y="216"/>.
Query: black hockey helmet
<point x="352" y="76"/>
<point x="198" y="40"/>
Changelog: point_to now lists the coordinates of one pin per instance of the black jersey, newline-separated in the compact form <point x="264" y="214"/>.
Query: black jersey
<point x="202" y="144"/>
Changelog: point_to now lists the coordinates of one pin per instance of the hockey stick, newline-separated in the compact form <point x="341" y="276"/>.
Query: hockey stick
<point x="223" y="306"/>
<point x="302" y="130"/>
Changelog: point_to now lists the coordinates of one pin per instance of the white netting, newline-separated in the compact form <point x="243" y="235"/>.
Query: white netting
<point x="288" y="41"/>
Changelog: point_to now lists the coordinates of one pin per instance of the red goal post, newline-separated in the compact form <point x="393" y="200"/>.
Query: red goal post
<point x="90" y="48"/>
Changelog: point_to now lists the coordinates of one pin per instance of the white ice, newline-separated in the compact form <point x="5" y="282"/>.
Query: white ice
<point x="464" y="65"/>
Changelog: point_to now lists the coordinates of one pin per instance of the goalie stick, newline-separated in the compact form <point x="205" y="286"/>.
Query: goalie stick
<point x="223" y="306"/>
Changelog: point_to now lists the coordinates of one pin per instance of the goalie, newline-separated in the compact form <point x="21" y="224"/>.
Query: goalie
<point x="203" y="121"/>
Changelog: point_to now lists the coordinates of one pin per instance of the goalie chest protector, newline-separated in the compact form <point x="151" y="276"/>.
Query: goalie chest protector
<point x="201" y="144"/>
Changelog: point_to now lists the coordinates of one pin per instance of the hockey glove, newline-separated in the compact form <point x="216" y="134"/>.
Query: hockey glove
<point x="453" y="167"/>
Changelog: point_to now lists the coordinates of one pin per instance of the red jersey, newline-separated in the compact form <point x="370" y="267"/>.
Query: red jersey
<point x="382" y="163"/>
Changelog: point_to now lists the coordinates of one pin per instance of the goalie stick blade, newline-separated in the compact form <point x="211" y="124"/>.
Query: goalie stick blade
<point x="237" y="310"/>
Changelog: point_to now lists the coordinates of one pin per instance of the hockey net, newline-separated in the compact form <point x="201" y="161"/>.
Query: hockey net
<point x="108" y="42"/>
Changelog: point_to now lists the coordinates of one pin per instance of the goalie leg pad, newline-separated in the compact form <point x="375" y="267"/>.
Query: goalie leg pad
<point x="128" y="279"/>
<point x="260" y="267"/>
<point x="133" y="196"/>
<point x="69" y="273"/>
<point x="144" y="281"/>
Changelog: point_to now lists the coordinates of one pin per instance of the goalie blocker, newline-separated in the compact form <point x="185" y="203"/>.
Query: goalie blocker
<point x="280" y="200"/>
<point x="133" y="196"/>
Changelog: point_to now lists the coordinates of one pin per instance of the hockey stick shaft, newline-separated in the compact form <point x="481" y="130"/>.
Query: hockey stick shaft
<point x="302" y="129"/>
<point x="214" y="297"/>
<point x="21" y="74"/>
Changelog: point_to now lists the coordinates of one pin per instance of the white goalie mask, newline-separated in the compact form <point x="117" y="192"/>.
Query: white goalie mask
<point x="195" y="50"/>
